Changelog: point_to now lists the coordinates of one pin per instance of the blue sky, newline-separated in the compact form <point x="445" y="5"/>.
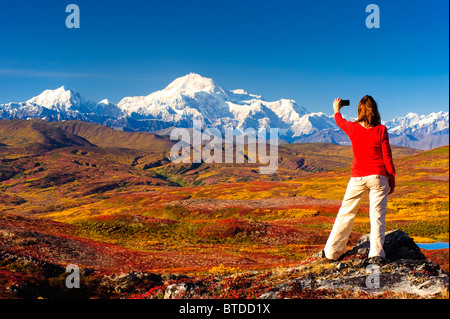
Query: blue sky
<point x="310" y="51"/>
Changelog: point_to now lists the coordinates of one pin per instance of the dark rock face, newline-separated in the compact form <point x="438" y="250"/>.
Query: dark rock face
<point x="397" y="245"/>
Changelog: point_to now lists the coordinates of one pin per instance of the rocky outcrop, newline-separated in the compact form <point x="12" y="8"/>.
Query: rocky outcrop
<point x="405" y="271"/>
<point x="397" y="245"/>
<point x="406" y="274"/>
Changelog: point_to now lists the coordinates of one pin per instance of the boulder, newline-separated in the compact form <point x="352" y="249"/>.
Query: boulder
<point x="397" y="245"/>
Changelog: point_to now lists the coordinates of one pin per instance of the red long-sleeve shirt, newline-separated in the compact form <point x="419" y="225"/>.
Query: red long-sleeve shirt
<point x="372" y="153"/>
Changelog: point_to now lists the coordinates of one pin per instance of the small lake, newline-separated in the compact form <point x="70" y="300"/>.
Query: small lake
<point x="436" y="245"/>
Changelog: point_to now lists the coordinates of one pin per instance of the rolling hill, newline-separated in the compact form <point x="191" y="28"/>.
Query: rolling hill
<point x="113" y="203"/>
<point x="36" y="134"/>
<point x="104" y="136"/>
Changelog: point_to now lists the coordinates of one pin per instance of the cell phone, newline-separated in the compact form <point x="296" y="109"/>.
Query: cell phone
<point x="345" y="102"/>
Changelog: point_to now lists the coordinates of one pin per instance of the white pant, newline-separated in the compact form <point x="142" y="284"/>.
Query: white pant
<point x="378" y="187"/>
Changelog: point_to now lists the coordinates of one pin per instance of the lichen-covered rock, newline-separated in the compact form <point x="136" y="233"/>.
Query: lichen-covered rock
<point x="130" y="281"/>
<point x="177" y="290"/>
<point x="418" y="277"/>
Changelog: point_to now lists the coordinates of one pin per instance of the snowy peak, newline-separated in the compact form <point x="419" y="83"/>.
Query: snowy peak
<point x="104" y="101"/>
<point x="106" y="108"/>
<point x="51" y="98"/>
<point x="61" y="100"/>
<point x="287" y="110"/>
<point x="189" y="95"/>
<point x="311" y="123"/>
<point x="239" y="91"/>
<point x="193" y="83"/>
<point x="413" y="122"/>
<point x="194" y="96"/>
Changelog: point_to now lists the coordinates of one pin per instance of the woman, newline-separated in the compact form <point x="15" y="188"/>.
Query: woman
<point x="372" y="170"/>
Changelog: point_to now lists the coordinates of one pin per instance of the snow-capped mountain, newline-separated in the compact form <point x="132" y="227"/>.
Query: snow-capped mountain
<point x="311" y="123"/>
<point x="193" y="96"/>
<point x="62" y="100"/>
<point x="413" y="122"/>
<point x="420" y="131"/>
<point x="54" y="105"/>
<point x="416" y="131"/>
<point x="106" y="108"/>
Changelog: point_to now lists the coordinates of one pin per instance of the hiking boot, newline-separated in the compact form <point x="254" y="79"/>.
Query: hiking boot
<point x="321" y="255"/>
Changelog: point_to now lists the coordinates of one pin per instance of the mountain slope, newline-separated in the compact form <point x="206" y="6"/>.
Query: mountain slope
<point x="37" y="134"/>
<point x="104" y="136"/>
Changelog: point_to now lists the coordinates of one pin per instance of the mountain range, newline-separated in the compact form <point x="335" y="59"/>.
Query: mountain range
<point x="193" y="96"/>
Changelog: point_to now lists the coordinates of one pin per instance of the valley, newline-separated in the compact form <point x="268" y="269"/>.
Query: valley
<point x="111" y="202"/>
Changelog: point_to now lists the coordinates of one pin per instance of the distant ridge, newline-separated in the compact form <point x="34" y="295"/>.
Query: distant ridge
<point x="193" y="97"/>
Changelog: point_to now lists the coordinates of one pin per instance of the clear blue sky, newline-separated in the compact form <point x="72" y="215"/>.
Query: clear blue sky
<point x="310" y="51"/>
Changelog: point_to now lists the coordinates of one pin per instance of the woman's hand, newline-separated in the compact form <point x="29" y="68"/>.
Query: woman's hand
<point x="391" y="185"/>
<point x="391" y="190"/>
<point x="337" y="105"/>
